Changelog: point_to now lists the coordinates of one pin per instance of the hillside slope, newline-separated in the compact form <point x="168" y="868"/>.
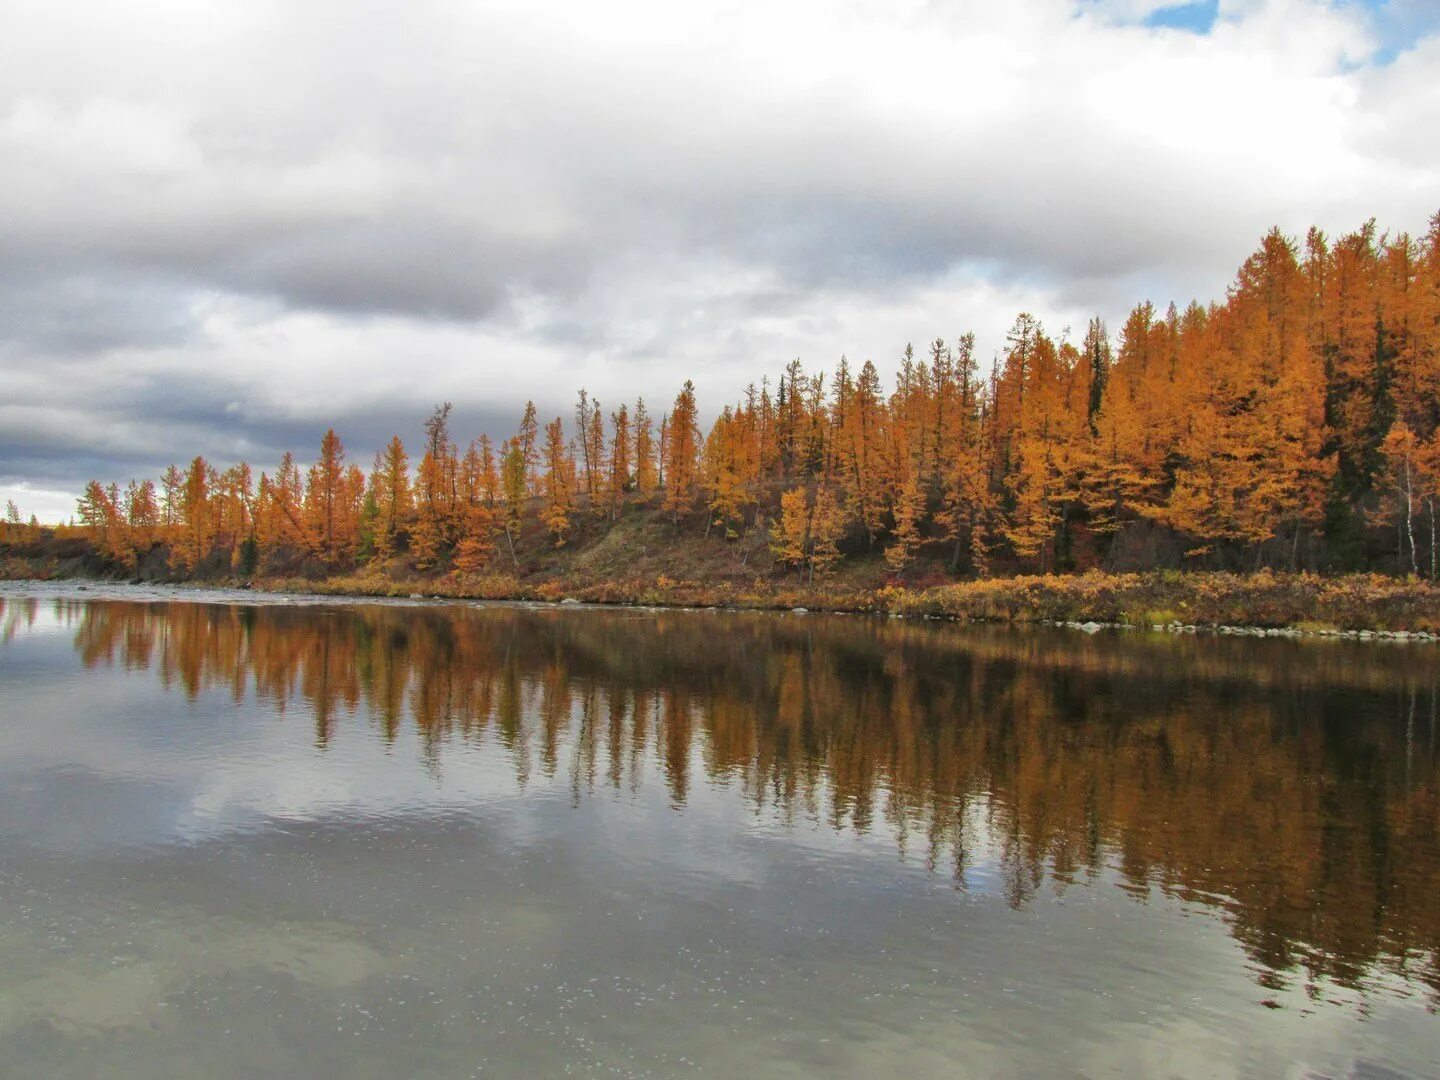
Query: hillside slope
<point x="644" y="559"/>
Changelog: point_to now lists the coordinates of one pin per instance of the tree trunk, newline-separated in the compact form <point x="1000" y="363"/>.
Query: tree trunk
<point x="1410" y="521"/>
<point x="1430" y="502"/>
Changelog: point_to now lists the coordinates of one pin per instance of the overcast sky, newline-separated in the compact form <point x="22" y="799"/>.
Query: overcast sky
<point x="226" y="226"/>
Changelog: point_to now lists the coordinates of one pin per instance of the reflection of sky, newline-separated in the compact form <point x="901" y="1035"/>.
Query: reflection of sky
<point x="123" y="764"/>
<point x="204" y="862"/>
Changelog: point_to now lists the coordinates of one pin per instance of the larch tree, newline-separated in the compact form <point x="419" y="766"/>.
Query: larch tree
<point x="479" y="515"/>
<point x="1417" y="383"/>
<point x="436" y="489"/>
<point x="99" y="517"/>
<point x="489" y="486"/>
<point x="589" y="469"/>
<point x="235" y="516"/>
<point x="621" y="443"/>
<point x="390" y="488"/>
<point x="195" y="530"/>
<point x="558" y="482"/>
<point x="909" y="511"/>
<point x="646" y="480"/>
<point x="597" y="453"/>
<point x="529" y="436"/>
<point x="1354" y="352"/>
<point x="326" y="512"/>
<point x="515" y="490"/>
<point x="1043" y="435"/>
<point x="143" y="510"/>
<point x="1403" y="464"/>
<point x="471" y="476"/>
<point x="827" y="529"/>
<point x="172" y="483"/>
<point x="477" y="538"/>
<point x="287" y="504"/>
<point x="1098" y="359"/>
<point x="790" y="534"/>
<point x="352" y="505"/>
<point x="479" y="525"/>
<point x="860" y="412"/>
<point x="808" y="530"/>
<point x="682" y="449"/>
<point x="722" y="474"/>
<point x="1261" y="333"/>
<point x="1114" y="489"/>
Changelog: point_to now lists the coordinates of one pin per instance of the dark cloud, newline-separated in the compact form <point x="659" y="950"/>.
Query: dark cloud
<point x="63" y="448"/>
<point x="418" y="268"/>
<point x="81" y="314"/>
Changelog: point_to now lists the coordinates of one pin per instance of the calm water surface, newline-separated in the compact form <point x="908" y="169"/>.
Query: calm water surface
<point x="248" y="838"/>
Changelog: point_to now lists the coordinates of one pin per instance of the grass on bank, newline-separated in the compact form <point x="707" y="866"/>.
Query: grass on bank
<point x="1301" y="601"/>
<point x="639" y="561"/>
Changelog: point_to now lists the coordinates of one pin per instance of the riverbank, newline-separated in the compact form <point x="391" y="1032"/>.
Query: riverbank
<point x="1183" y="602"/>
<point x="1279" y="604"/>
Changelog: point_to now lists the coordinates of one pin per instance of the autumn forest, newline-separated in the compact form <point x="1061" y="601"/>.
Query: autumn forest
<point x="1294" y="426"/>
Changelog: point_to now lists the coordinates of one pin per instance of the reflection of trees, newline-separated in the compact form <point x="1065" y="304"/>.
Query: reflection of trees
<point x="1292" y="785"/>
<point x="15" y="613"/>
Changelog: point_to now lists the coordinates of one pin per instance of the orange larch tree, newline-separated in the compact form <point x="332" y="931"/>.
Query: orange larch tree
<point x="859" y="424"/>
<point x="436" y="492"/>
<point x="646" y="479"/>
<point x="621" y="443"/>
<point x="681" y="454"/>
<point x="195" y="530"/>
<point x="390" y="490"/>
<point x="326" y="511"/>
<point x="558" y="482"/>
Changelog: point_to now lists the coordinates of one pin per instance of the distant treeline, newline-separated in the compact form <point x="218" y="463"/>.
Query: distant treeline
<point x="1294" y="425"/>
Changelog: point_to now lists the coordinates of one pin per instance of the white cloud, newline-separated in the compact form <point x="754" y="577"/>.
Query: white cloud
<point x="242" y="223"/>
<point x="43" y="503"/>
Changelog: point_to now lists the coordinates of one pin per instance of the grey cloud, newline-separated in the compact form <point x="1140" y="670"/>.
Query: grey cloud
<point x="81" y="313"/>
<point x="522" y="167"/>
<point x="624" y="195"/>
<point x="136" y="433"/>
<point x="417" y="268"/>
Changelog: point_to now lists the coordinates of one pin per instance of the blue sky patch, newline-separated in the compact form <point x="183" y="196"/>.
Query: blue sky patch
<point x="1198" y="17"/>
<point x="1396" y="24"/>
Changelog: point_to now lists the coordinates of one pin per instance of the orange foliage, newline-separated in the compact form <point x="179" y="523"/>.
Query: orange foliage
<point x="1293" y="425"/>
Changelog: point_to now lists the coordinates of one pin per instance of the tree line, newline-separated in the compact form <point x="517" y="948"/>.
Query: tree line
<point x="1296" y="424"/>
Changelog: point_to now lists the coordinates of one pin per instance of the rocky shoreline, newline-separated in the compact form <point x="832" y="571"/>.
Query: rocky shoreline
<point x="1091" y="627"/>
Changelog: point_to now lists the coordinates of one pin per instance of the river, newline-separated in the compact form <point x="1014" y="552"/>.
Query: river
<point x="251" y="836"/>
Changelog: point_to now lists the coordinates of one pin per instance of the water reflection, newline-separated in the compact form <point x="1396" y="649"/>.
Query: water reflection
<point x="1289" y="786"/>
